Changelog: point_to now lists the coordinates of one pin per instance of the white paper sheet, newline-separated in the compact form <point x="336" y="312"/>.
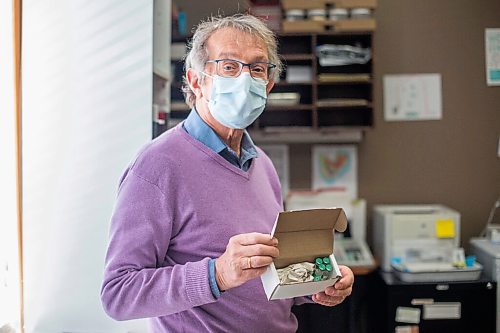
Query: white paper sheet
<point x="492" y="45"/>
<point x="412" y="97"/>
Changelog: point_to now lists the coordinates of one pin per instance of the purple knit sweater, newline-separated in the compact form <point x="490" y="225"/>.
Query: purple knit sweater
<point x="178" y="204"/>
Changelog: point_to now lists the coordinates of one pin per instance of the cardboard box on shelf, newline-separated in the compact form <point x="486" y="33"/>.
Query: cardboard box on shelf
<point x="296" y="74"/>
<point x="303" y="235"/>
<point x="353" y="25"/>
<point x="353" y="3"/>
<point x="300" y="4"/>
<point x="302" y="26"/>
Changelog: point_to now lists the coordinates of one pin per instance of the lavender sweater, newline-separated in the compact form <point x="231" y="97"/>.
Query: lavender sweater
<point x="178" y="204"/>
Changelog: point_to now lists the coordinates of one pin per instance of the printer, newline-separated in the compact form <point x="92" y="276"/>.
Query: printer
<point x="398" y="228"/>
<point x="420" y="243"/>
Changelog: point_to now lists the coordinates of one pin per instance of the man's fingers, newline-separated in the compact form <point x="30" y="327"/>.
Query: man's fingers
<point x="255" y="238"/>
<point x="332" y="291"/>
<point x="259" y="250"/>
<point x="324" y="299"/>
<point x="260" y="261"/>
<point x="255" y="262"/>
<point x="347" y="279"/>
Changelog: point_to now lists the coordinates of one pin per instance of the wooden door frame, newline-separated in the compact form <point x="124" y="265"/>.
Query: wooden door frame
<point x="17" y="7"/>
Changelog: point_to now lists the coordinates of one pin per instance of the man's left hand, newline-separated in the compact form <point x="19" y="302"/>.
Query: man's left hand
<point x="339" y="291"/>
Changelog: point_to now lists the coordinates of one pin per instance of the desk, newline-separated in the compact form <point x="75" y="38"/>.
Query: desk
<point x="477" y="307"/>
<point x="488" y="254"/>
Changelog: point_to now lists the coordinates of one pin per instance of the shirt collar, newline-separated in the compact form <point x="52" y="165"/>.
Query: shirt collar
<point x="200" y="130"/>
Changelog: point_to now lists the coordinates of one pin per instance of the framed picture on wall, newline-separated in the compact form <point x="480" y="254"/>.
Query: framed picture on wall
<point x="335" y="166"/>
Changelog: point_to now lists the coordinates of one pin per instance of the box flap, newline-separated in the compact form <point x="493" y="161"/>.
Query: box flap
<point x="306" y="234"/>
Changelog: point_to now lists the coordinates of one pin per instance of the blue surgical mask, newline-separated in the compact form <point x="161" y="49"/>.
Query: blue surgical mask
<point x="236" y="102"/>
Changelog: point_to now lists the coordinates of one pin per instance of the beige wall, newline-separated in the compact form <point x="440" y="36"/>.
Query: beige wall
<point x="452" y="161"/>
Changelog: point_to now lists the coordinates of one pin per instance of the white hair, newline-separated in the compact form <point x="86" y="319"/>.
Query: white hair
<point x="197" y="55"/>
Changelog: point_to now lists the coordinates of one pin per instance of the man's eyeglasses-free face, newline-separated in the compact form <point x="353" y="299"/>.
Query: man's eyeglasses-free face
<point x="233" y="68"/>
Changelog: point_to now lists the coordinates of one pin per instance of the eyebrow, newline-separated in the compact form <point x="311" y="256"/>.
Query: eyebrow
<point x="231" y="55"/>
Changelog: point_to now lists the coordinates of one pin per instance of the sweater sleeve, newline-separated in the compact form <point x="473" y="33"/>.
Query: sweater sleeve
<point x="134" y="285"/>
<point x="303" y="300"/>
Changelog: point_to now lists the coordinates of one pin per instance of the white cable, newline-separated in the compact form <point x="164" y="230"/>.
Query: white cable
<point x="490" y="217"/>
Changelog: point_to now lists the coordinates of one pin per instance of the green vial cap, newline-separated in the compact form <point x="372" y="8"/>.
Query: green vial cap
<point x="326" y="260"/>
<point x="321" y="267"/>
<point x="317" y="278"/>
<point x="328" y="267"/>
<point x="318" y="261"/>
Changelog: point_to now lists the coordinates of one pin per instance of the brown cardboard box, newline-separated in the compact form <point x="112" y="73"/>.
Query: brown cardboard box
<point x="353" y="25"/>
<point x="303" y="235"/>
<point x="353" y="3"/>
<point x="303" y="26"/>
<point x="301" y="4"/>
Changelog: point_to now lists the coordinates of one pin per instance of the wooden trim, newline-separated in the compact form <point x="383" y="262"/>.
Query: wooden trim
<point x="17" y="88"/>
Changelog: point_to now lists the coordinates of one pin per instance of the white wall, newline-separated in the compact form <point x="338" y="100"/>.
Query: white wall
<point x="9" y="256"/>
<point x="87" y="96"/>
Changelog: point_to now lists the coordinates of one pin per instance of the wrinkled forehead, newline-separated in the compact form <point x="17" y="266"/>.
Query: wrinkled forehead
<point x="236" y="44"/>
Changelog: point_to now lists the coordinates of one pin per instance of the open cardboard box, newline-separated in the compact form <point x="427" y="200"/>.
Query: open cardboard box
<point x="303" y="235"/>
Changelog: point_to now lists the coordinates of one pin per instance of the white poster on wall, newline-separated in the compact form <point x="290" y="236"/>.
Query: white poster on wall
<point x="492" y="45"/>
<point x="335" y="167"/>
<point x="412" y="97"/>
<point x="279" y="156"/>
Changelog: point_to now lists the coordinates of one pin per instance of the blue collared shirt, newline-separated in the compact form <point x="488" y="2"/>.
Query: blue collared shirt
<point x="198" y="129"/>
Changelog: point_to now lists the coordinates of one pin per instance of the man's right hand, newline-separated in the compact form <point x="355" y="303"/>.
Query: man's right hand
<point x="246" y="257"/>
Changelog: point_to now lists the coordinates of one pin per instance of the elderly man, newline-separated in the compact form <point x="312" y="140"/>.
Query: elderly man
<point x="190" y="234"/>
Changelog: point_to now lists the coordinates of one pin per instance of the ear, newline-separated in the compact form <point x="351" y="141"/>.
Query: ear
<point x="194" y="81"/>
<point x="269" y="86"/>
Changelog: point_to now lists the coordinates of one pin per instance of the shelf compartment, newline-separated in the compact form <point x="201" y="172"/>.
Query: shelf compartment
<point x="288" y="45"/>
<point x="286" y="117"/>
<point x="363" y="39"/>
<point x="345" y="117"/>
<point x="328" y="92"/>
<point x="305" y="92"/>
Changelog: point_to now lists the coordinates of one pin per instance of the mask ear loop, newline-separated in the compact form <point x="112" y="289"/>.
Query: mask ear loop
<point x="210" y="76"/>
